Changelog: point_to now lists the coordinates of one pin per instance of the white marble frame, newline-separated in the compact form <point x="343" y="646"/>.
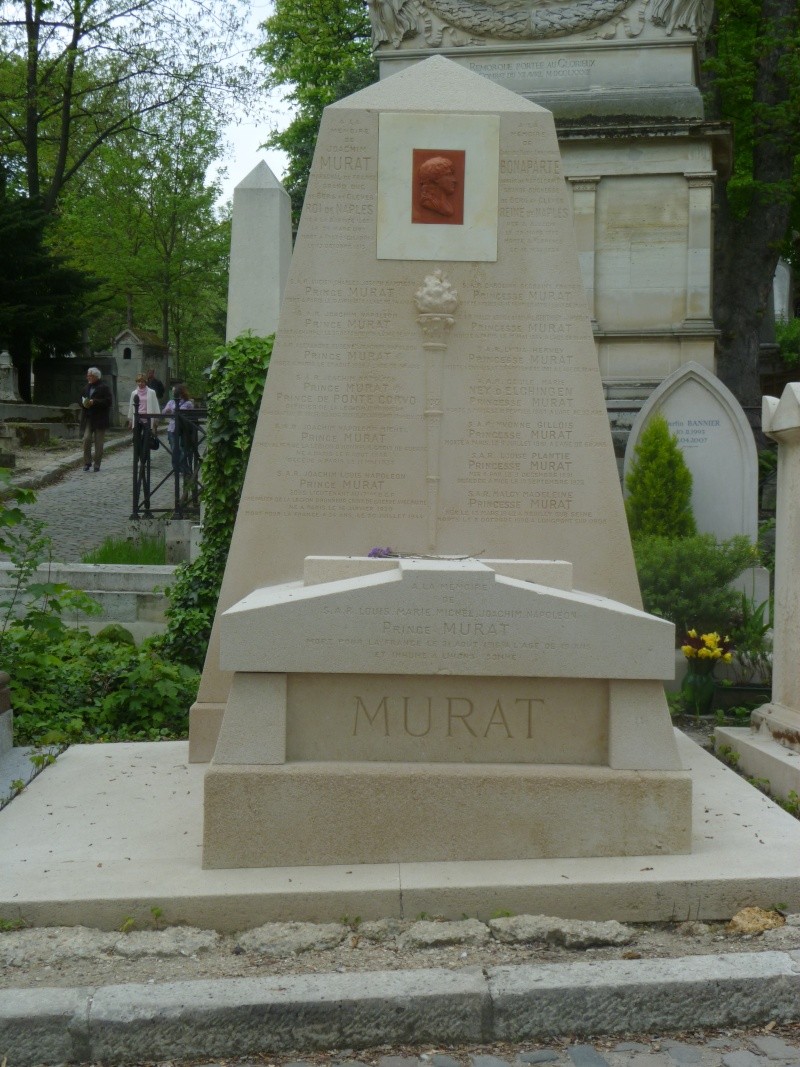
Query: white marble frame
<point x="476" y="239"/>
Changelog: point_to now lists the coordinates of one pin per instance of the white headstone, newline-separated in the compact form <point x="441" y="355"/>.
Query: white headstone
<point x="261" y="250"/>
<point x="9" y="388"/>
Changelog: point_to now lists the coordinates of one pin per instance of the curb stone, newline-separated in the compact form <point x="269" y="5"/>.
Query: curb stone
<point x="121" y="1024"/>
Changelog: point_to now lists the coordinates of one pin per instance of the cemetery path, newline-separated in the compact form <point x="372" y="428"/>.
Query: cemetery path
<point x="762" y="1047"/>
<point x="81" y="508"/>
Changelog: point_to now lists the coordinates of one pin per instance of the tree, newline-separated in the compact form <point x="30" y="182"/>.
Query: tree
<point x="753" y="80"/>
<point x="320" y="52"/>
<point x="77" y="74"/>
<point x="141" y="217"/>
<point x="42" y="299"/>
<point x="78" y="77"/>
<point x="659" y="486"/>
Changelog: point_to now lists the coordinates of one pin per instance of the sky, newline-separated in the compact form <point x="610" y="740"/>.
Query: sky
<point x="246" y="135"/>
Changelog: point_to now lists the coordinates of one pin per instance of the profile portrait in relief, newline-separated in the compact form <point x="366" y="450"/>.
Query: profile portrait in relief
<point x="437" y="186"/>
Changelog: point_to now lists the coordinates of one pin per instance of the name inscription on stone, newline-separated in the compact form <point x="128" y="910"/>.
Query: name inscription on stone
<point x="452" y="719"/>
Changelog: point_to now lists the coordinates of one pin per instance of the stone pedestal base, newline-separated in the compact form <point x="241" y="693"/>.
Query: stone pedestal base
<point x="351" y="813"/>
<point x="205" y="721"/>
<point x="779" y="722"/>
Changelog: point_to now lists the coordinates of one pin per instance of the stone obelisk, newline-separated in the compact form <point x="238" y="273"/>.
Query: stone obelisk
<point x="495" y="442"/>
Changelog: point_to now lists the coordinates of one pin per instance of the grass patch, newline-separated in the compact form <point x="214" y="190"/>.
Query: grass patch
<point x="140" y="549"/>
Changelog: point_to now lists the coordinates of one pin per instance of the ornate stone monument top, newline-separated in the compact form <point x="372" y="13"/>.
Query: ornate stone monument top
<point x="575" y="57"/>
<point x="460" y="23"/>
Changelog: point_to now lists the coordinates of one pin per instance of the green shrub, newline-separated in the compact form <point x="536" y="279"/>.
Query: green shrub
<point x="787" y="334"/>
<point x="80" y="688"/>
<point x="235" y="384"/>
<point x="65" y="684"/>
<point x="687" y="579"/>
<point x="659" y="485"/>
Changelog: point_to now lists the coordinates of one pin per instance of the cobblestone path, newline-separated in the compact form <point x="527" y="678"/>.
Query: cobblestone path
<point x="82" y="509"/>
<point x="734" y="1048"/>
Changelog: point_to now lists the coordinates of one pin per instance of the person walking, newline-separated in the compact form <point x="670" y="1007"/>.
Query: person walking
<point x="143" y="402"/>
<point x="177" y="433"/>
<point x="96" y="403"/>
<point x="155" y="384"/>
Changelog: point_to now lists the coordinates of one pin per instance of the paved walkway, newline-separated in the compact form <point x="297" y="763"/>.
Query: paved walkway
<point x="83" y="509"/>
<point x="744" y="1049"/>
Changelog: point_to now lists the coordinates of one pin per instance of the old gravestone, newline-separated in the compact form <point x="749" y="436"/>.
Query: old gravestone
<point x="434" y="387"/>
<point x="720" y="451"/>
<point x="717" y="445"/>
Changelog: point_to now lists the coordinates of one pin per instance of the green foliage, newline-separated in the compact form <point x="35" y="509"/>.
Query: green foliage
<point x="235" y="384"/>
<point x="752" y="80"/>
<point x="659" y="484"/>
<point x="141" y="549"/>
<point x="162" y="249"/>
<point x="27" y="602"/>
<point x="42" y="299"/>
<point x="787" y="334"/>
<point x="320" y="52"/>
<point x="65" y="684"/>
<point x="7" y="925"/>
<point x="80" y="688"/>
<point x="79" y="74"/>
<point x="751" y="635"/>
<point x="117" y="634"/>
<point x="686" y="579"/>
<point x="766" y="544"/>
<point x="753" y="72"/>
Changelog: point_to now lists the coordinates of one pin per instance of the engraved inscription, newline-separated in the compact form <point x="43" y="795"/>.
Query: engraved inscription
<point x="439" y="719"/>
<point x="447" y="716"/>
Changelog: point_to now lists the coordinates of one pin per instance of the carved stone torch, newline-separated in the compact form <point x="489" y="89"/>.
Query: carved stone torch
<point x="436" y="301"/>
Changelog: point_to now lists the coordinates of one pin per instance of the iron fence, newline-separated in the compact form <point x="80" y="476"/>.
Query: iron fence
<point x="171" y="468"/>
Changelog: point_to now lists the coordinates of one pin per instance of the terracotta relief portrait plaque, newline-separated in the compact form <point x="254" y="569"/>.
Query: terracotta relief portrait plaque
<point x="438" y="179"/>
<point x="437" y="186"/>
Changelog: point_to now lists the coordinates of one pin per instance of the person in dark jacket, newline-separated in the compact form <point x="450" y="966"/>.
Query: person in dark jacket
<point x="154" y="384"/>
<point x="96" y="403"/>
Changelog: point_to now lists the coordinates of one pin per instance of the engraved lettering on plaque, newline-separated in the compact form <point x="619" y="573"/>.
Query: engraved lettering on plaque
<point x="437" y="186"/>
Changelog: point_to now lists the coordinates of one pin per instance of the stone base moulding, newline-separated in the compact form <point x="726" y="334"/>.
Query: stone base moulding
<point x="779" y="722"/>
<point x="383" y="712"/>
<point x="323" y="813"/>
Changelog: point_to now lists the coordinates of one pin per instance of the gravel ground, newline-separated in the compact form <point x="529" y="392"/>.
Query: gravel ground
<point x="75" y="956"/>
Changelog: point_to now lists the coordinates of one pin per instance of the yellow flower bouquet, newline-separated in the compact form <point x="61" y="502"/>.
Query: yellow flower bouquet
<point x="707" y="647"/>
<point x="703" y="652"/>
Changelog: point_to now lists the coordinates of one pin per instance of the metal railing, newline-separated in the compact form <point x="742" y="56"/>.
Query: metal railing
<point x="181" y="481"/>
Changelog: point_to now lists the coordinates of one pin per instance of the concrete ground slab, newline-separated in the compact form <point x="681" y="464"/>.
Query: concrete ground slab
<point x="111" y="831"/>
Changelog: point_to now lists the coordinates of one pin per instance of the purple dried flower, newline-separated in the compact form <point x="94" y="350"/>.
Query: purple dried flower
<point x="381" y="553"/>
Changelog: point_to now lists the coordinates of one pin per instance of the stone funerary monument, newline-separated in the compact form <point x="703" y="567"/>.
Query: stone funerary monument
<point x="639" y="159"/>
<point x="434" y="388"/>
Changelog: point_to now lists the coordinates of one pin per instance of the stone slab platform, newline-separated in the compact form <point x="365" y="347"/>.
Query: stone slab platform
<point x="111" y="831"/>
